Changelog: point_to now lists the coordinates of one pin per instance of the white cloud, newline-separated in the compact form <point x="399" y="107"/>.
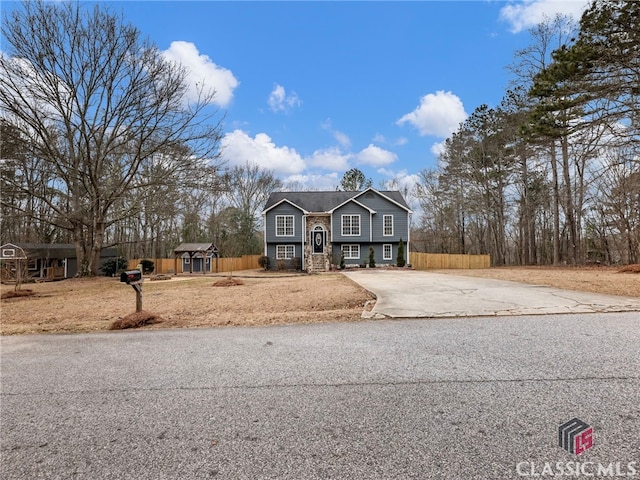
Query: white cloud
<point x="202" y="71"/>
<point x="439" y="114"/>
<point x="375" y="156"/>
<point x="379" y="138"/>
<point x="330" y="159"/>
<point x="30" y="90"/>
<point x="529" y="13"/>
<point x="340" y="137"/>
<point x="279" y="101"/>
<point x="238" y="148"/>
<point x="311" y="181"/>
<point x="400" y="180"/>
<point x="437" y="149"/>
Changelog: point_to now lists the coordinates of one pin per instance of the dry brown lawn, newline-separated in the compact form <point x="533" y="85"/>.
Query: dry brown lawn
<point x="608" y="280"/>
<point x="85" y="305"/>
<point x="248" y="298"/>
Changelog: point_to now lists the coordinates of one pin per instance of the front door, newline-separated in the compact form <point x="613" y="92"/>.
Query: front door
<point x="318" y="241"/>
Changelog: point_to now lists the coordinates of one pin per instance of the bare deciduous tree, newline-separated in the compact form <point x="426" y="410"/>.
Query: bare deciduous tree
<point x="96" y="103"/>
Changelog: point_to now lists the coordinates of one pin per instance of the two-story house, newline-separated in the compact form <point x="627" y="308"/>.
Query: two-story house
<point x="317" y="227"/>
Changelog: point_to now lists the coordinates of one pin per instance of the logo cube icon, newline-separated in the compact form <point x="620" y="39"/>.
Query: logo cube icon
<point x="575" y="436"/>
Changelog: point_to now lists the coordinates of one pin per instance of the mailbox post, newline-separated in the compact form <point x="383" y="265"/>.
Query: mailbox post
<point x="134" y="278"/>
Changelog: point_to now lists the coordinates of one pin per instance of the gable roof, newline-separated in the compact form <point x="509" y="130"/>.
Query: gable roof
<point x="195" y="247"/>
<point x="352" y="199"/>
<point x="328" y="200"/>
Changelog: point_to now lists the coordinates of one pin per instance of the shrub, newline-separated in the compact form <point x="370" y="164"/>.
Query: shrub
<point x="400" y="262"/>
<point x="112" y="266"/>
<point x="147" y="266"/>
<point x="372" y="257"/>
<point x="342" y="261"/>
<point x="297" y="263"/>
<point x="264" y="262"/>
<point x="282" y="264"/>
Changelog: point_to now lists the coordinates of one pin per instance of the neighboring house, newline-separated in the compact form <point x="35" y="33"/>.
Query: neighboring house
<point x="195" y="257"/>
<point x="56" y="261"/>
<point x="316" y="227"/>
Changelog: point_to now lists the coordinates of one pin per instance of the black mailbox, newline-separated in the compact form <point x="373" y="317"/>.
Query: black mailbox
<point x="131" y="276"/>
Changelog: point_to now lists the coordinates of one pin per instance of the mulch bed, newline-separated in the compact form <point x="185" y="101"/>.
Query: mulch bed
<point x="135" y="320"/>
<point x="228" y="282"/>
<point x="17" y="294"/>
<point x="635" y="268"/>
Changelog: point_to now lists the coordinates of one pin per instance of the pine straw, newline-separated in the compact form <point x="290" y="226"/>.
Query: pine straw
<point x="228" y="282"/>
<point x="17" y="294"/>
<point x="635" y="268"/>
<point x="136" y="320"/>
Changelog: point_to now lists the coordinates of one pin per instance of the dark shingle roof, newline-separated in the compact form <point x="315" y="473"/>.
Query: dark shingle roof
<point x="195" y="247"/>
<point x="325" y="201"/>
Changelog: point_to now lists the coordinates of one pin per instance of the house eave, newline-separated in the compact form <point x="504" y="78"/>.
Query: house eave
<point x="371" y="189"/>
<point x="264" y="212"/>
<point x="372" y="211"/>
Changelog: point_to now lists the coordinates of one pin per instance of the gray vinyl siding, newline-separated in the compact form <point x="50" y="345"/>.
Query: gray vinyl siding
<point x="337" y="251"/>
<point x="271" y="249"/>
<point x="383" y="207"/>
<point x="289" y="263"/>
<point x="364" y="253"/>
<point x="351" y="208"/>
<point x="400" y="226"/>
<point x="270" y="224"/>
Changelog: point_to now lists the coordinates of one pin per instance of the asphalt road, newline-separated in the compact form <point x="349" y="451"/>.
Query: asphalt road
<point x="472" y="398"/>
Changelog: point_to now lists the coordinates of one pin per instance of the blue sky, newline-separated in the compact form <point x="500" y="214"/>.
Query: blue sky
<point x="311" y="89"/>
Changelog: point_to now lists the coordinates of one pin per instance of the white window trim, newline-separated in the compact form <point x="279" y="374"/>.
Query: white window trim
<point x="350" y="257"/>
<point x="187" y="261"/>
<point x="279" y="248"/>
<point x="350" y="225"/>
<point x="293" y="226"/>
<point x="384" y="251"/>
<point x="384" y="229"/>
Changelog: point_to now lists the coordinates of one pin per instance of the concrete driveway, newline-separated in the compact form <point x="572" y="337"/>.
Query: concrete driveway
<point x="420" y="294"/>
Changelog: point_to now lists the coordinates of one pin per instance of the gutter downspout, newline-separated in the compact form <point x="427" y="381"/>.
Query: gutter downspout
<point x="408" y="236"/>
<point x="264" y="234"/>
<point x="370" y="227"/>
<point x="303" y="235"/>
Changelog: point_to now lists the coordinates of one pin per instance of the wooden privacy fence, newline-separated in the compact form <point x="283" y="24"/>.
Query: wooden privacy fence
<point x="429" y="261"/>
<point x="228" y="264"/>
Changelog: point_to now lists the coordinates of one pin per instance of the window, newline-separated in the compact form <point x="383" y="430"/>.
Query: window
<point x="284" y="225"/>
<point x="351" y="252"/>
<point x="350" y="225"/>
<point x="284" y="252"/>
<point x="387" y="220"/>
<point x="386" y="252"/>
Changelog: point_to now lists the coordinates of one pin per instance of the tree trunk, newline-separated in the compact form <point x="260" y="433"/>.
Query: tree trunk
<point x="568" y="200"/>
<point x="556" y="206"/>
